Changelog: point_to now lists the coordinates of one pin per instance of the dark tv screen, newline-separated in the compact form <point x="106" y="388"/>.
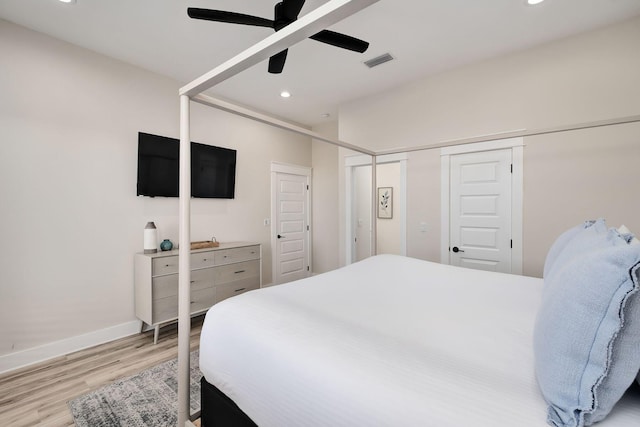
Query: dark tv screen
<point x="213" y="169"/>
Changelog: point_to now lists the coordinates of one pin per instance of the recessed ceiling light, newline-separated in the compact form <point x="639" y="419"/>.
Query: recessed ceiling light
<point x="68" y="1"/>
<point x="325" y="115"/>
<point x="285" y="94"/>
<point x="532" y="2"/>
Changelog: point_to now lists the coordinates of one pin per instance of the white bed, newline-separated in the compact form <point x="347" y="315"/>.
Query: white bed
<point x="388" y="341"/>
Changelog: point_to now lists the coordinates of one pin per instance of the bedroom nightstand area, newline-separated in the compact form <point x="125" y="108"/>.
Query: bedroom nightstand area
<point x="216" y="274"/>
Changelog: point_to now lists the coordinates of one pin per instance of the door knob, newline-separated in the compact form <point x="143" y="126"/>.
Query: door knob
<point x="455" y="249"/>
<point x="280" y="237"/>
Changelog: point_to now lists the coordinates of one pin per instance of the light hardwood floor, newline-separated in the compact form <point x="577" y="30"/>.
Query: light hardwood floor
<point x="38" y="395"/>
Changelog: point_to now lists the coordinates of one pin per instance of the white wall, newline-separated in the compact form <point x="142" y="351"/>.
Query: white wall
<point x="70" y="220"/>
<point x="585" y="78"/>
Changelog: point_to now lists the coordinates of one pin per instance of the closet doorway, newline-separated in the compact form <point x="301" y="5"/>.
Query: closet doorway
<point x="392" y="227"/>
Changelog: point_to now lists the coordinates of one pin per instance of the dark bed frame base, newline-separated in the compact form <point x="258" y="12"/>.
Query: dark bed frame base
<point x="220" y="411"/>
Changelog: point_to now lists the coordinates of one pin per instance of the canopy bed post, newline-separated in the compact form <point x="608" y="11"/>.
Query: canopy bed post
<point x="374" y="205"/>
<point x="311" y="23"/>
<point x="184" y="265"/>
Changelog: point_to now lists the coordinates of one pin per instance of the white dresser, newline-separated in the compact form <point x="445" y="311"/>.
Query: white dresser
<point x="216" y="274"/>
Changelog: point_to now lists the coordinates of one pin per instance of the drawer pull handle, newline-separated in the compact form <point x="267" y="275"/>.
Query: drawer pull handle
<point x="240" y="290"/>
<point x="240" y="271"/>
<point x="204" y="260"/>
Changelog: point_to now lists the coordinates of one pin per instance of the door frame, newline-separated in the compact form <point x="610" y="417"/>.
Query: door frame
<point x="517" y="191"/>
<point x="351" y="162"/>
<point x="277" y="167"/>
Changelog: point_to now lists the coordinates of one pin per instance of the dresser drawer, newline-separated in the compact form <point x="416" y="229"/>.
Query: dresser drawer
<point x="202" y="299"/>
<point x="201" y="279"/>
<point x="237" y="271"/>
<point x="226" y="256"/>
<point x="164" y="265"/>
<point x="169" y="264"/>
<point x="165" y="309"/>
<point x="202" y="259"/>
<point x="230" y="289"/>
<point x="166" y="286"/>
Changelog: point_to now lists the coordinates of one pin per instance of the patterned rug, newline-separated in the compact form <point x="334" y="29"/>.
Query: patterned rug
<point x="148" y="399"/>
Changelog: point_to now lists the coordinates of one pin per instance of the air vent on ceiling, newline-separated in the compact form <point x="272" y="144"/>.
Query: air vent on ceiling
<point x="385" y="57"/>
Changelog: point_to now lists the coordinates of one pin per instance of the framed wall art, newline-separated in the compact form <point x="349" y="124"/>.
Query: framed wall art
<point x="385" y="202"/>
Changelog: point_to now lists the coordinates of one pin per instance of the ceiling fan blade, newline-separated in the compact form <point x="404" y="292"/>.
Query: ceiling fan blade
<point x="291" y="9"/>
<point x="276" y="62"/>
<point x="341" y="40"/>
<point x="229" y="17"/>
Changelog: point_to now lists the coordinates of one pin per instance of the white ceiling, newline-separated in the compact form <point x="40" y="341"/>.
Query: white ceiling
<point x="425" y="37"/>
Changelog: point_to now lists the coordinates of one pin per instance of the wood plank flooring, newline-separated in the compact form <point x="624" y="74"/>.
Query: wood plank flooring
<point x="38" y="395"/>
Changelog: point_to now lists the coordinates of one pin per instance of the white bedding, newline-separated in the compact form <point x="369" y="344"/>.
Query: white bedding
<point x="388" y="341"/>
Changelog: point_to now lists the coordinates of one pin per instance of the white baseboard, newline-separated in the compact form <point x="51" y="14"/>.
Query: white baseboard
<point x="21" y="359"/>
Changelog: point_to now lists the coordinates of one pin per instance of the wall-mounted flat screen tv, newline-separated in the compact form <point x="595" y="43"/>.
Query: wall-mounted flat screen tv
<point x="213" y="169"/>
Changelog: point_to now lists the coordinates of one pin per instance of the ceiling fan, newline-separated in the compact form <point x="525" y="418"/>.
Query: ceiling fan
<point x="285" y="13"/>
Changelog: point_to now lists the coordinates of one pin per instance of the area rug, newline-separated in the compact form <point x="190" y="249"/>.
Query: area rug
<point x="147" y="399"/>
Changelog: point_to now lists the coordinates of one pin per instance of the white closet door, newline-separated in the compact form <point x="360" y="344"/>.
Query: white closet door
<point x="480" y="210"/>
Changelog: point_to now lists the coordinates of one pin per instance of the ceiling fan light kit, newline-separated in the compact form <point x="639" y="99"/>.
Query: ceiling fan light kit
<point x="285" y="12"/>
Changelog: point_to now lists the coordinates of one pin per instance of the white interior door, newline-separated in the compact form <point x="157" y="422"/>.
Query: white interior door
<point x="480" y="210"/>
<point x="292" y="227"/>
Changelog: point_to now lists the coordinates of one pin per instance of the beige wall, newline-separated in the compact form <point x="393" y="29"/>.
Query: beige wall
<point x="70" y="219"/>
<point x="388" y="231"/>
<point x="573" y="176"/>
<point x="589" y="77"/>
<point x="423" y="205"/>
<point x="585" y="78"/>
<point x="325" y="200"/>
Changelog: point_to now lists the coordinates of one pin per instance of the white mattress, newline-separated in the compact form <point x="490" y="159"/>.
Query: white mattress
<point x="388" y="341"/>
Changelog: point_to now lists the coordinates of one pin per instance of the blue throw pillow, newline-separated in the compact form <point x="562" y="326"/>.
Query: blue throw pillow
<point x="560" y="243"/>
<point x="587" y="332"/>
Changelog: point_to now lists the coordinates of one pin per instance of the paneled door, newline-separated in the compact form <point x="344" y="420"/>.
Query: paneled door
<point x="480" y="210"/>
<point x="292" y="228"/>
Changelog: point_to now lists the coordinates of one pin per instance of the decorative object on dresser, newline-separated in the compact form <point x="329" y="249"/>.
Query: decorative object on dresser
<point x="150" y="238"/>
<point x="166" y="245"/>
<point x="202" y="244"/>
<point x="217" y="273"/>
